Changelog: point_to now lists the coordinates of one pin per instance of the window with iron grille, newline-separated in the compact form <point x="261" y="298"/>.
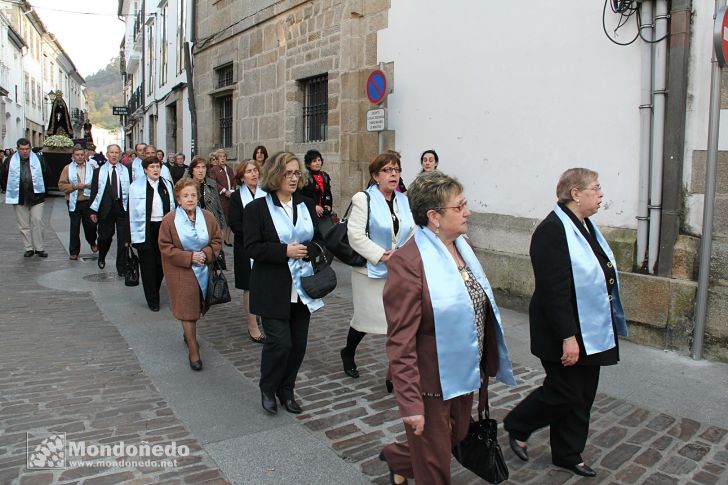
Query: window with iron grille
<point x="225" y="75"/>
<point x="225" y="116"/>
<point x="315" y="108"/>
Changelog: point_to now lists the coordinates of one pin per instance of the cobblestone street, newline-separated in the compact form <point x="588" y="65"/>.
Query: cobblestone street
<point x="66" y="366"/>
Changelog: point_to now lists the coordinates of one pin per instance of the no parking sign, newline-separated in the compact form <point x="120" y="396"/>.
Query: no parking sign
<point x="376" y="87"/>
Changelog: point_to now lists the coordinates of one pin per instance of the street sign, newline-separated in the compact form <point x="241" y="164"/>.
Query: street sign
<point x="377" y="119"/>
<point x="376" y="87"/>
<point x="720" y="36"/>
<point x="119" y="110"/>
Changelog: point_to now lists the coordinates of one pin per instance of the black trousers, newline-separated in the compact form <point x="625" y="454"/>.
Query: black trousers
<point x="150" y="264"/>
<point x="283" y="351"/>
<point x="564" y="403"/>
<point x="119" y="219"/>
<point x="81" y="216"/>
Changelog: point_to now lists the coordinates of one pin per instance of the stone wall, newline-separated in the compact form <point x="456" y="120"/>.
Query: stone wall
<point x="273" y="46"/>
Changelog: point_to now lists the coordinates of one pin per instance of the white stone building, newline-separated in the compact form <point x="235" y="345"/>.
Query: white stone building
<point x="12" y="50"/>
<point x="156" y="82"/>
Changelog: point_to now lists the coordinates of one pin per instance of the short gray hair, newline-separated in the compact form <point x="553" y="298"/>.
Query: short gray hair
<point x="574" y="178"/>
<point x="429" y="191"/>
<point x="274" y="170"/>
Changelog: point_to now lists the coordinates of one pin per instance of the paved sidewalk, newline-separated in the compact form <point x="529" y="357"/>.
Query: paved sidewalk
<point x="82" y="353"/>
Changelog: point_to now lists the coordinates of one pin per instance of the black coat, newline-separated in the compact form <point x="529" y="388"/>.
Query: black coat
<point x="105" y="205"/>
<point x="553" y="311"/>
<point x="312" y="191"/>
<point x="150" y="242"/>
<point x="270" y="278"/>
<point x="242" y="259"/>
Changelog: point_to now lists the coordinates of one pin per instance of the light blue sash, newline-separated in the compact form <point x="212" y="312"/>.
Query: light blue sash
<point x="73" y="178"/>
<point x="381" y="226"/>
<point x="125" y="181"/>
<point x="137" y="171"/>
<point x="592" y="300"/>
<point x="246" y="197"/>
<point x="138" y="207"/>
<point x="455" y="334"/>
<point x="288" y="233"/>
<point x="194" y="237"/>
<point x="36" y="172"/>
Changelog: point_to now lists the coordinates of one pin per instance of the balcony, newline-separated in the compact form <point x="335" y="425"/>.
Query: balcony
<point x="136" y="100"/>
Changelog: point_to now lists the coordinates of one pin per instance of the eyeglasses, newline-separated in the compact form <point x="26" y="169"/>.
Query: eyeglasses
<point x="458" y="208"/>
<point x="391" y="170"/>
<point x="289" y="174"/>
<point x="596" y="188"/>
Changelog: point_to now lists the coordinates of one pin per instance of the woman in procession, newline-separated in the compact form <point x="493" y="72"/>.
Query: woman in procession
<point x="281" y="235"/>
<point x="208" y="197"/>
<point x="379" y="224"/>
<point x="575" y="316"/>
<point x="444" y="337"/>
<point x="189" y="241"/>
<point x="246" y="177"/>
<point x="223" y="175"/>
<point x="151" y="197"/>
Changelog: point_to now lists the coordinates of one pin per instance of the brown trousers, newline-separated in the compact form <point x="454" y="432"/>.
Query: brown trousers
<point x="426" y="458"/>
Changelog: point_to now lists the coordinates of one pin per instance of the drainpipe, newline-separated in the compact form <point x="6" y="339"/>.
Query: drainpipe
<point x="643" y="219"/>
<point x="677" y="80"/>
<point x="190" y="77"/>
<point x="706" y="241"/>
<point x="659" y="92"/>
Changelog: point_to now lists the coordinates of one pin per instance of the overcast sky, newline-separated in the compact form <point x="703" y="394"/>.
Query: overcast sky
<point x="89" y="30"/>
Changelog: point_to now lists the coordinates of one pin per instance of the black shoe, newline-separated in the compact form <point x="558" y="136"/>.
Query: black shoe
<point x="101" y="262"/>
<point x="581" y="469"/>
<point x="520" y="451"/>
<point x="259" y="339"/>
<point x="41" y="254"/>
<point x="28" y="254"/>
<point x="269" y="403"/>
<point x="290" y="405"/>
<point x="349" y="365"/>
<point x="154" y="307"/>
<point x="391" y="473"/>
<point x="196" y="365"/>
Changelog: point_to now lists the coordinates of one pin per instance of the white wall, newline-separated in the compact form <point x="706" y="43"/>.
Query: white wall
<point x="510" y="94"/>
<point x="11" y="76"/>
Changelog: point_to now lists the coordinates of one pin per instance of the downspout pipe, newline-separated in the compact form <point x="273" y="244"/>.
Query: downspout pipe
<point x="646" y="29"/>
<point x="706" y="241"/>
<point x="190" y="77"/>
<point x="672" y="181"/>
<point x="659" y="94"/>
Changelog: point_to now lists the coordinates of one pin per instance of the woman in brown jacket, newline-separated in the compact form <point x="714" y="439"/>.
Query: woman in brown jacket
<point x="189" y="241"/>
<point x="444" y="336"/>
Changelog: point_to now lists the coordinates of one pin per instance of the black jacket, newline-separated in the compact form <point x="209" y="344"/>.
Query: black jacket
<point x="166" y="207"/>
<point x="553" y="312"/>
<point x="236" y="218"/>
<point x="312" y="191"/>
<point x="105" y="205"/>
<point x="270" y="278"/>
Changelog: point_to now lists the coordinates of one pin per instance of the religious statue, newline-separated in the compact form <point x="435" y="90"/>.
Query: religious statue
<point x="60" y="122"/>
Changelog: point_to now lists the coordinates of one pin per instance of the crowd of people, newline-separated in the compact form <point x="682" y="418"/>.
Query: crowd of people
<point x="422" y="284"/>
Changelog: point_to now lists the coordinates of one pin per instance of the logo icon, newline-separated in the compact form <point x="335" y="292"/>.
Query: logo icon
<point x="49" y="453"/>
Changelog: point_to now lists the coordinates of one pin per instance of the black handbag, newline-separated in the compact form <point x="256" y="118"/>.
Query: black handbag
<point x="337" y="240"/>
<point x="131" y="273"/>
<point x="217" y="286"/>
<point x="480" y="452"/>
<point x="323" y="280"/>
<point x="221" y="260"/>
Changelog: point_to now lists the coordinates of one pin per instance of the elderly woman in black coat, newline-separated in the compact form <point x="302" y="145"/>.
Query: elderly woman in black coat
<point x="246" y="178"/>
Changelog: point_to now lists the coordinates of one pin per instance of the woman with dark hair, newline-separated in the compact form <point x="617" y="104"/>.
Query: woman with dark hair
<point x="444" y="336"/>
<point x="429" y="161"/>
<point x="575" y="316"/>
<point x="260" y="154"/>
<point x="224" y="177"/>
<point x="209" y="199"/>
<point x="318" y="188"/>
<point x="246" y="177"/>
<point x="280" y="235"/>
<point x="386" y="214"/>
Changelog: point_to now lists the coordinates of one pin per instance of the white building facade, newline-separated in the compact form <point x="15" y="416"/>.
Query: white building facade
<point x="156" y="74"/>
<point x="12" y="118"/>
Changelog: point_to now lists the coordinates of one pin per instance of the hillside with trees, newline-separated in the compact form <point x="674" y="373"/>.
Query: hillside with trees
<point x="105" y="89"/>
